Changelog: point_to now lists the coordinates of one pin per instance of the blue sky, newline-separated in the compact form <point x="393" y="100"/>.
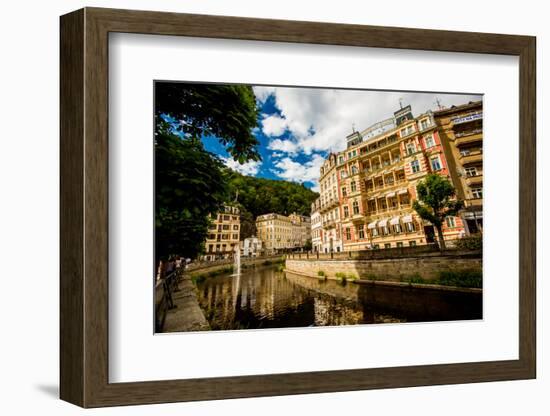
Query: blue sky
<point x="298" y="127"/>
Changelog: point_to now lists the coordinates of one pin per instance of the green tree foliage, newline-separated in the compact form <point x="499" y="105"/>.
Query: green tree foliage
<point x="258" y="196"/>
<point x="190" y="182"/>
<point x="189" y="185"/>
<point x="225" y="112"/>
<point x="436" y="200"/>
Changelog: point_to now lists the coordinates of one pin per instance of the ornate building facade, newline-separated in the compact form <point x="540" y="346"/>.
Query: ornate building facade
<point x="375" y="181"/>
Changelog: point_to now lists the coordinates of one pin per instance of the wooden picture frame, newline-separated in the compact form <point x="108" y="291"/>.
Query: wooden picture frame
<point x="84" y="207"/>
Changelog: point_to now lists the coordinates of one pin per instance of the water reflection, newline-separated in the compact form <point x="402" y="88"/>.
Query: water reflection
<point x="267" y="298"/>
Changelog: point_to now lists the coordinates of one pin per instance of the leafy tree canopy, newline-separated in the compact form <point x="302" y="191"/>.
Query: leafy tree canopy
<point x="189" y="185"/>
<point x="227" y="112"/>
<point x="436" y="200"/>
<point x="263" y="196"/>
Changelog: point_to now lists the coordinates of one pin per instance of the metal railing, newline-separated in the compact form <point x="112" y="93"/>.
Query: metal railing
<point x="164" y="301"/>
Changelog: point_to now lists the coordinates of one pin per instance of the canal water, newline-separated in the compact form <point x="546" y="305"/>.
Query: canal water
<point x="264" y="297"/>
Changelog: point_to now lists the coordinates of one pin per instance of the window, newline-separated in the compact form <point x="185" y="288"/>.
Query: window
<point x="410" y="227"/>
<point x="235" y="227"/>
<point x="450" y="221"/>
<point x="465" y="152"/>
<point x="346" y="211"/>
<point x="415" y="166"/>
<point x="397" y="228"/>
<point x="342" y="174"/>
<point x="226" y="217"/>
<point x="226" y="227"/>
<point x="353" y="170"/>
<point x="387" y="245"/>
<point x="374" y="232"/>
<point x="399" y="244"/>
<point x="385" y="230"/>
<point x="477" y="192"/>
<point x="355" y="207"/>
<point x="375" y="247"/>
<point x="430" y="142"/>
<point x="341" y="160"/>
<point x="411" y="148"/>
<point x="412" y="243"/>
<point x="471" y="171"/>
<point x="235" y="236"/>
<point x="436" y="163"/>
<point x="210" y="248"/>
<point x="348" y="233"/>
<point x="361" y="231"/>
<point x="424" y="124"/>
<point x="353" y="186"/>
<point x="406" y="131"/>
<point x="344" y="191"/>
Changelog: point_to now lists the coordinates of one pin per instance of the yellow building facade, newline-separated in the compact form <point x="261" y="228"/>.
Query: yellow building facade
<point x="461" y="130"/>
<point x="223" y="234"/>
<point x="280" y="232"/>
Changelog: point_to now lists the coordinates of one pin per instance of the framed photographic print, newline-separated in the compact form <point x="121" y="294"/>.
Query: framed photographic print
<point x="256" y="207"/>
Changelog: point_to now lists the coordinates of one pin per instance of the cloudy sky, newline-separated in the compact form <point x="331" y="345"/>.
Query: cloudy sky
<point x="298" y="127"/>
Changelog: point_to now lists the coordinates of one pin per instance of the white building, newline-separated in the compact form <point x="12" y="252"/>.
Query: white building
<point x="252" y="247"/>
<point x="316" y="227"/>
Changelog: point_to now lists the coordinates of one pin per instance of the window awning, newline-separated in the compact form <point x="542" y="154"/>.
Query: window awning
<point x="407" y="218"/>
<point x="371" y="225"/>
<point x="383" y="222"/>
<point x="402" y="191"/>
<point x="394" y="220"/>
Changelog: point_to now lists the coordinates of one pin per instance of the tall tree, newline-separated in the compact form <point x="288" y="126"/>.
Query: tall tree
<point x="436" y="200"/>
<point x="189" y="186"/>
<point x="190" y="182"/>
<point x="227" y="113"/>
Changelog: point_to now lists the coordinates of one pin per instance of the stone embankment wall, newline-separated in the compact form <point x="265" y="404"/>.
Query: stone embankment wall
<point x="427" y="266"/>
<point x="211" y="266"/>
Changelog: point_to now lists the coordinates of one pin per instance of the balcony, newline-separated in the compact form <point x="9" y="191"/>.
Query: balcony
<point x="331" y="223"/>
<point x="474" y="180"/>
<point x="468" y="138"/>
<point x="471" y="158"/>
<point x="357" y="217"/>
<point x="331" y="203"/>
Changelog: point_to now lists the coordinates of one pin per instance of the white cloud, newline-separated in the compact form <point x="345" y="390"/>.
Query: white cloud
<point x="294" y="171"/>
<point x="249" y="168"/>
<point x="285" y="146"/>
<point x="263" y="93"/>
<point x="273" y="125"/>
<point x="320" y="119"/>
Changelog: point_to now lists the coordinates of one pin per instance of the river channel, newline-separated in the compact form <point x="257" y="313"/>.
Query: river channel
<point x="265" y="297"/>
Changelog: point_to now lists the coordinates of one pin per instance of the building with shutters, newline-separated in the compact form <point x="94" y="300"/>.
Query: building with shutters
<point x="368" y="200"/>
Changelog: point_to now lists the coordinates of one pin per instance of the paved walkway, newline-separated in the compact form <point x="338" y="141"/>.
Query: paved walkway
<point x="187" y="316"/>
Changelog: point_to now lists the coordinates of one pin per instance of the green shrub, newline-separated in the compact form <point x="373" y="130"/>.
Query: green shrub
<point x="462" y="278"/>
<point x="321" y="273"/>
<point x="340" y="275"/>
<point x="472" y="242"/>
<point x="351" y="277"/>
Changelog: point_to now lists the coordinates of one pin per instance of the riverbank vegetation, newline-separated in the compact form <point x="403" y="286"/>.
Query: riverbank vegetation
<point x="463" y="278"/>
<point x="472" y="242"/>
